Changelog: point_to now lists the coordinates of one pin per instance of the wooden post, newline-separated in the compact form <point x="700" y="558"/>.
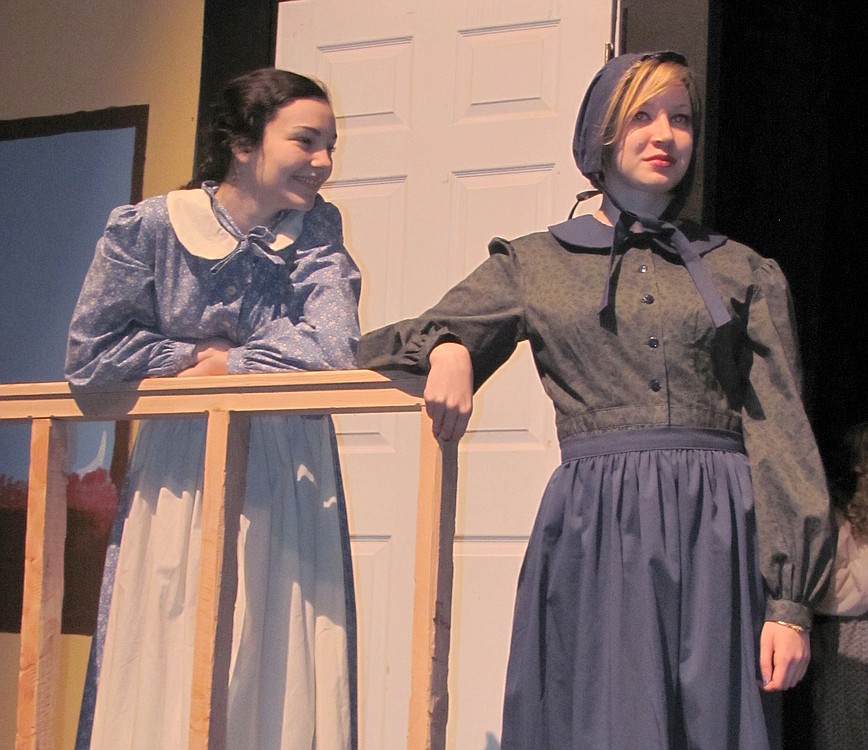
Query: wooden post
<point x="39" y="666"/>
<point x="226" y="448"/>
<point x="228" y="401"/>
<point x="432" y="598"/>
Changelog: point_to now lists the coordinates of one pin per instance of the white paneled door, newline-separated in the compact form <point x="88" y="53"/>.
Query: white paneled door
<point x="455" y="122"/>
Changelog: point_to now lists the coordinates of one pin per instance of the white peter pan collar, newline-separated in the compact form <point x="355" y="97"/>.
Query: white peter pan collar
<point x="201" y="233"/>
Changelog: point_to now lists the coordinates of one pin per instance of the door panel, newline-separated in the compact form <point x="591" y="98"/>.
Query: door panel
<point x="455" y="125"/>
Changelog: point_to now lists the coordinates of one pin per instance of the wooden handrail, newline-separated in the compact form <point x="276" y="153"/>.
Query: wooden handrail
<point x="227" y="401"/>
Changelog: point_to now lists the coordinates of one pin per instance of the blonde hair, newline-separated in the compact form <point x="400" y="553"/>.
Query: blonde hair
<point x="644" y="80"/>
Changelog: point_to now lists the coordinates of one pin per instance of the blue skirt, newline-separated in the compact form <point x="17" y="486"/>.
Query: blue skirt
<point x="640" y="601"/>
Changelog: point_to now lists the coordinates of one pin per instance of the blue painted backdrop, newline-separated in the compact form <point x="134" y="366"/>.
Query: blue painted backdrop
<point x="55" y="196"/>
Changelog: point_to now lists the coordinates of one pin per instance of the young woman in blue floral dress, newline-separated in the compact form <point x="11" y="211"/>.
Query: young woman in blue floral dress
<point x="244" y="272"/>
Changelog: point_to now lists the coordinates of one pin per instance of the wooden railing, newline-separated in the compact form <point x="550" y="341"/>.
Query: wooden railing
<point x="227" y="401"/>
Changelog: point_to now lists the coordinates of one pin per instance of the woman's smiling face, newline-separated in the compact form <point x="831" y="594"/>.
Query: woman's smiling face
<point x="288" y="168"/>
<point x="654" y="153"/>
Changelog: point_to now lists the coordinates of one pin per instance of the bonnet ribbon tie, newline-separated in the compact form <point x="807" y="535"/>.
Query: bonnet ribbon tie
<point x="669" y="239"/>
<point x="256" y="242"/>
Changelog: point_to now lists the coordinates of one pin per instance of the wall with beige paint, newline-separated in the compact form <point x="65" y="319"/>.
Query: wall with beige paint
<point x="59" y="57"/>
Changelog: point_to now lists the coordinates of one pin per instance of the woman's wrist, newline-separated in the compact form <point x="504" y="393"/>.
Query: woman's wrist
<point x="448" y="349"/>
<point x="786" y="610"/>
<point x="792" y="626"/>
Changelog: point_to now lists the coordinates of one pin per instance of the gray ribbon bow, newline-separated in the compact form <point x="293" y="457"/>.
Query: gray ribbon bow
<point x="671" y="239"/>
<point x="256" y="242"/>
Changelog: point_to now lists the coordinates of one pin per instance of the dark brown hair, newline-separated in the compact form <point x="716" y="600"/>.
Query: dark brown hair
<point x="238" y="119"/>
<point x="850" y="491"/>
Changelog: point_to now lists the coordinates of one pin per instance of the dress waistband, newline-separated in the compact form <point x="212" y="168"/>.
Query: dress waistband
<point x="650" y="439"/>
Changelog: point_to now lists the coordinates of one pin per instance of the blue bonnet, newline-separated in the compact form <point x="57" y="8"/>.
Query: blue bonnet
<point x="668" y="237"/>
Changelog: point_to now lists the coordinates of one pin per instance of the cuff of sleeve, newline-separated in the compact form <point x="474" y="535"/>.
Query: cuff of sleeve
<point x="235" y="361"/>
<point x="184" y="354"/>
<point x="792" y="612"/>
<point x="401" y="346"/>
<point x="174" y="357"/>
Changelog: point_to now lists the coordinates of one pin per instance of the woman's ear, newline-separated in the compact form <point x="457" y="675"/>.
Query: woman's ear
<point x="242" y="152"/>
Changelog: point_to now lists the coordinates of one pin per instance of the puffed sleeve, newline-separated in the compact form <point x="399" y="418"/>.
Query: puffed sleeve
<point x="114" y="334"/>
<point x="484" y="312"/>
<point x="794" y="522"/>
<point x="320" y="330"/>
<point x="848" y="594"/>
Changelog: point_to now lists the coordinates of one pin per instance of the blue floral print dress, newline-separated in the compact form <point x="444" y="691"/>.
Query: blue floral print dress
<point x="170" y="272"/>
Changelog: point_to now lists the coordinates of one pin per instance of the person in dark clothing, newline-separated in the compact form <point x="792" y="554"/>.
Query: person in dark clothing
<point x="669" y="581"/>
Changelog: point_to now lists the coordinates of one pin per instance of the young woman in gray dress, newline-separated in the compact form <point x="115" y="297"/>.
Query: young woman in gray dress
<point x="668" y="584"/>
<point x="244" y="272"/>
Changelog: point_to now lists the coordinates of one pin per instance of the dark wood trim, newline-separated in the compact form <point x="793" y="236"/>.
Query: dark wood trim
<point x="237" y="36"/>
<point x="86" y="544"/>
<point x="112" y="118"/>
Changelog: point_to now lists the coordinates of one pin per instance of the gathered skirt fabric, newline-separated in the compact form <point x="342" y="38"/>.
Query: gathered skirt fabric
<point x="640" y="601"/>
<point x="292" y="668"/>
